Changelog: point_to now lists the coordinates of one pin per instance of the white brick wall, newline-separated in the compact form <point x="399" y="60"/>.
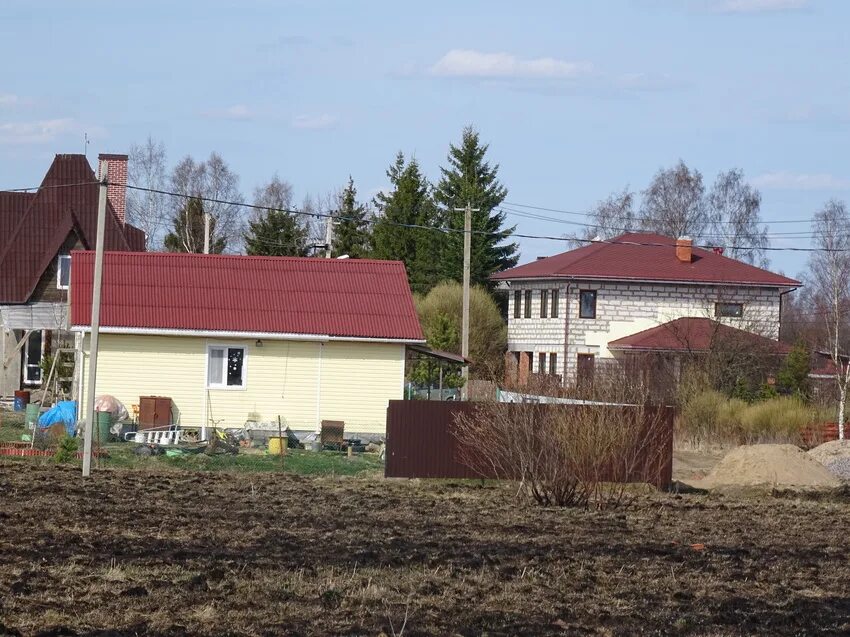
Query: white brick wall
<point x="624" y="308"/>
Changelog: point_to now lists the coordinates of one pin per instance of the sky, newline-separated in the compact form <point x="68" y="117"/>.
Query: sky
<point x="575" y="99"/>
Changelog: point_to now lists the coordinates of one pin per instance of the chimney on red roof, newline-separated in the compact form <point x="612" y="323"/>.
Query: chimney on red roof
<point x="684" y="249"/>
<point x="115" y="169"/>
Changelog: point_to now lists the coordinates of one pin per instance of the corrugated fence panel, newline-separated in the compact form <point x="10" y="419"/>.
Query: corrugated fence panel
<point x="420" y="442"/>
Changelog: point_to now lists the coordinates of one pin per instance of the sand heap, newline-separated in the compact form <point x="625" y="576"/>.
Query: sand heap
<point x="835" y="456"/>
<point x="772" y="465"/>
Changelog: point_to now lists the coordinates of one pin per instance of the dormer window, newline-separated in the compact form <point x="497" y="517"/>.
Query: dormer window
<point x="63" y="271"/>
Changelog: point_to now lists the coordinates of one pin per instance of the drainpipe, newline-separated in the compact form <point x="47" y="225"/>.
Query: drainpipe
<point x="566" y="333"/>
<point x="781" y="294"/>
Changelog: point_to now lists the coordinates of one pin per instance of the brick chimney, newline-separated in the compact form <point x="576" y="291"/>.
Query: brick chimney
<point x="684" y="249"/>
<point x="115" y="168"/>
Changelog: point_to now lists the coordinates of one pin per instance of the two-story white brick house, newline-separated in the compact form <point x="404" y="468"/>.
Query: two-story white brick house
<point x="574" y="311"/>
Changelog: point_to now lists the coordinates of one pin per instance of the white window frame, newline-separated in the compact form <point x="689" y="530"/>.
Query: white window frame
<point x="223" y="385"/>
<point x="25" y="366"/>
<point x="59" y="260"/>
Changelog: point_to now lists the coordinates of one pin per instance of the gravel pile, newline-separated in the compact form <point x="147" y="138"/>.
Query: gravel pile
<point x="840" y="468"/>
<point x="835" y="456"/>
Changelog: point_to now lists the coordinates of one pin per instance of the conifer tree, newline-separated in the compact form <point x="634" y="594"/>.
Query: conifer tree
<point x="469" y="178"/>
<point x="402" y="232"/>
<point x="276" y="233"/>
<point x="188" y="232"/>
<point x="352" y="234"/>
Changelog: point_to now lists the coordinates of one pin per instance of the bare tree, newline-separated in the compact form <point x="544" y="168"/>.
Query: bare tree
<point x="611" y="216"/>
<point x="147" y="210"/>
<point x="830" y="275"/>
<point x="674" y="203"/>
<point x="217" y="186"/>
<point x="275" y="195"/>
<point x="734" y="217"/>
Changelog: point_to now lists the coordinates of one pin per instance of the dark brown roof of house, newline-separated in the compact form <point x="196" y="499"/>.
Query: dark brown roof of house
<point x="693" y="334"/>
<point x="642" y="256"/>
<point x="29" y="246"/>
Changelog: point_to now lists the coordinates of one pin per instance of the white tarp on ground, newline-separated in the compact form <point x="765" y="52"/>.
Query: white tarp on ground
<point x="34" y="316"/>
<point x="515" y="397"/>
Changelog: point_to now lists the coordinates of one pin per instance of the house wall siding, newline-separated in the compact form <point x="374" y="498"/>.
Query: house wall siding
<point x="624" y="308"/>
<point x="282" y="378"/>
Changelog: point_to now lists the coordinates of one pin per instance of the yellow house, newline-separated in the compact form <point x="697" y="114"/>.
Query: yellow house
<point x="235" y="339"/>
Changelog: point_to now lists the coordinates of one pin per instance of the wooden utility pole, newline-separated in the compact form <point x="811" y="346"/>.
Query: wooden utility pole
<point x="467" y="257"/>
<point x="95" y="326"/>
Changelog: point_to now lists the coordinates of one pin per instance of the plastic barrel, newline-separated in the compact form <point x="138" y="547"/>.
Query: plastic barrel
<point x="22" y="399"/>
<point x="104" y="422"/>
<point x="32" y="415"/>
<point x="277" y="445"/>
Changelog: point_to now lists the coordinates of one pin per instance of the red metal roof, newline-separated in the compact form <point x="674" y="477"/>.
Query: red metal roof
<point x="692" y="334"/>
<point x="355" y="298"/>
<point x="645" y="257"/>
<point x="30" y="245"/>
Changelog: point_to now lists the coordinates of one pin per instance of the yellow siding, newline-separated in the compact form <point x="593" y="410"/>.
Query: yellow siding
<point x="282" y="378"/>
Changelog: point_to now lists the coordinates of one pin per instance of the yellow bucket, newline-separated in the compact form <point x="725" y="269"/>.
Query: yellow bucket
<point x="276" y="445"/>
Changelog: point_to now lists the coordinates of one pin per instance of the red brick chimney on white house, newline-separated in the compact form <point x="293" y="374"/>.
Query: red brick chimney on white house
<point x="684" y="249"/>
<point x="115" y="169"/>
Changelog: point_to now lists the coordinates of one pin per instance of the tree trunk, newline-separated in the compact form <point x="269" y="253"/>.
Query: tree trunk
<point x="843" y="399"/>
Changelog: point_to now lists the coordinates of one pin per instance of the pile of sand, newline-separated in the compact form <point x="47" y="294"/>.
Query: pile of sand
<point x="772" y="465"/>
<point x="835" y="456"/>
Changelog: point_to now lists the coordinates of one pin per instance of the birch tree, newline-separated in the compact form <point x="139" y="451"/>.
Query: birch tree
<point x="147" y="210"/>
<point x="612" y="216"/>
<point x="830" y="276"/>
<point x="734" y="218"/>
<point x="674" y="203"/>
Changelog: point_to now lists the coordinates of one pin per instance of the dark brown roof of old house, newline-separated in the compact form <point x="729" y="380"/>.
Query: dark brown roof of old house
<point x="33" y="227"/>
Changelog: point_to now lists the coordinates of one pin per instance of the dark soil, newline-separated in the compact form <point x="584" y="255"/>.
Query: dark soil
<point x="134" y="553"/>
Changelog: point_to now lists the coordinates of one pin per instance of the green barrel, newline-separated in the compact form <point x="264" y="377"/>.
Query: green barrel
<point x="104" y="422"/>
<point x="32" y="415"/>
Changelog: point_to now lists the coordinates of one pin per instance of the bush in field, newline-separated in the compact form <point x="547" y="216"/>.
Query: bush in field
<point x="575" y="456"/>
<point x="66" y="450"/>
<point x="710" y="417"/>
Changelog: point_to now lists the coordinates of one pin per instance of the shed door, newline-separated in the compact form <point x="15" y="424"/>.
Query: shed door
<point x="586" y="369"/>
<point x="32" y="358"/>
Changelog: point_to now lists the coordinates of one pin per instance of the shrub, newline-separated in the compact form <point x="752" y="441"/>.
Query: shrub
<point x="66" y="450"/>
<point x="776" y="420"/>
<point x="565" y="455"/>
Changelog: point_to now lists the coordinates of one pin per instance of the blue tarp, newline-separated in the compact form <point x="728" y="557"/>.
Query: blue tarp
<point x="64" y="412"/>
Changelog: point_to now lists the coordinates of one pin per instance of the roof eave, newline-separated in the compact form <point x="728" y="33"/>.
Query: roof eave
<point x="581" y="277"/>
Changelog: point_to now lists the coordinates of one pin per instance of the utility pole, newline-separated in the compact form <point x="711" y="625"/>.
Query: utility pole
<point x="329" y="237"/>
<point x="467" y="256"/>
<point x="95" y="325"/>
<point x="206" y="232"/>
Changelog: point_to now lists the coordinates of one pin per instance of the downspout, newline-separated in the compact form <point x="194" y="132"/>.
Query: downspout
<point x="566" y="333"/>
<point x="319" y="392"/>
<point x="781" y="294"/>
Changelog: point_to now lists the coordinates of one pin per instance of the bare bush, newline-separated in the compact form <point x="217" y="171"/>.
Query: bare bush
<point x="568" y="455"/>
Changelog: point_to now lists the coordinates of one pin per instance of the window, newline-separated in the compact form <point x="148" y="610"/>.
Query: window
<point x="32" y="358"/>
<point x="517" y="304"/>
<point x="554" y="312"/>
<point x="541" y="363"/>
<point x="225" y="367"/>
<point x="63" y="271"/>
<point x="729" y="310"/>
<point x="528" y="304"/>
<point x="587" y="304"/>
<point x="553" y="363"/>
<point x="544" y="303"/>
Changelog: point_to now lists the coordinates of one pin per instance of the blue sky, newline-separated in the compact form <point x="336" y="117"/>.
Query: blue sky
<point x="576" y="99"/>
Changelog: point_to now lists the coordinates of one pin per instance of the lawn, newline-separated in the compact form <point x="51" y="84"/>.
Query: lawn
<point x="211" y="553"/>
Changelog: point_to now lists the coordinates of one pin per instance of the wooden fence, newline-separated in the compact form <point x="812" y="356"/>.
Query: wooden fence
<point x="421" y="442"/>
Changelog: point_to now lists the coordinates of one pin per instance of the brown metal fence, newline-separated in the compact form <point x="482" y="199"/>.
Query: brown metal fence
<point x="420" y="442"/>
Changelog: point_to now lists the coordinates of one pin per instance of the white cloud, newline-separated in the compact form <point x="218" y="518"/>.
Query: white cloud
<point x="39" y="132"/>
<point x="235" y="112"/>
<point x="759" y="6"/>
<point x="469" y="63"/>
<point x="782" y="180"/>
<point x="315" y="122"/>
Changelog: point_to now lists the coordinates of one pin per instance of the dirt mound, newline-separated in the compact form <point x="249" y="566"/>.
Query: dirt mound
<point x="829" y="451"/>
<point x="780" y="465"/>
<point x="835" y="456"/>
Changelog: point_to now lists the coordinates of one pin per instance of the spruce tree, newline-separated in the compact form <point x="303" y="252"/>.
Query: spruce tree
<point x="351" y="233"/>
<point x="188" y="232"/>
<point x="401" y="232"/>
<point x="469" y="178"/>
<point x="276" y="233"/>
